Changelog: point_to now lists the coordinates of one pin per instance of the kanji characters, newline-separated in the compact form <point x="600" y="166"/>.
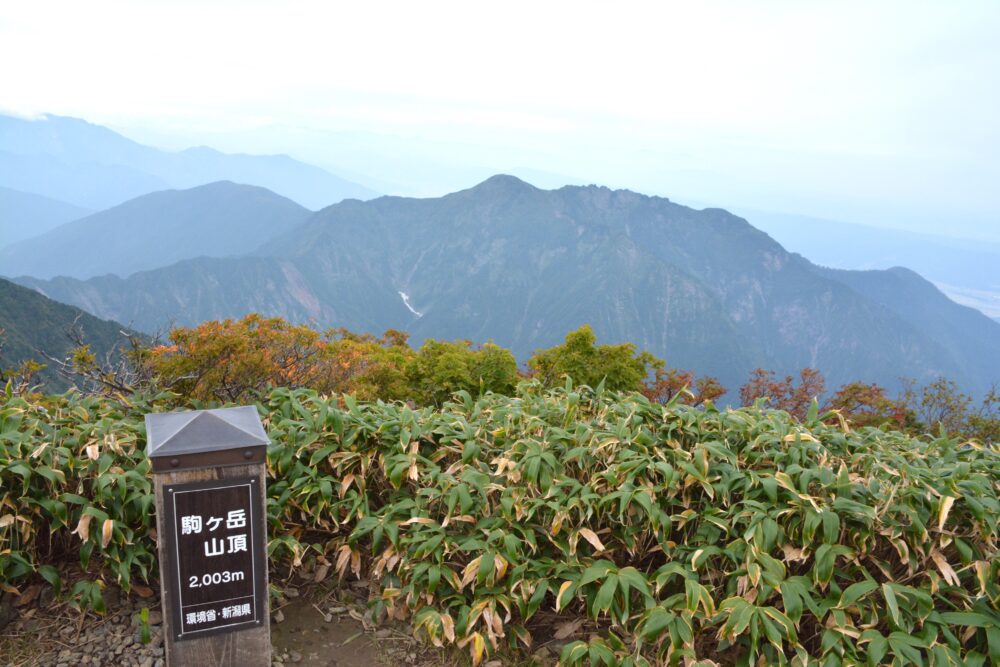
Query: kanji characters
<point x="237" y="543"/>
<point x="236" y="519"/>
<point x="236" y="610"/>
<point x="190" y="524"/>
<point x="217" y="548"/>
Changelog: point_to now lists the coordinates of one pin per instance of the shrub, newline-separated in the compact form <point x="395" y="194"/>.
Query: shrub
<point x="681" y="533"/>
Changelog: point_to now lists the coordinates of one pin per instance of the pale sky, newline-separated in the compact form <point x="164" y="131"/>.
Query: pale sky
<point x="876" y="112"/>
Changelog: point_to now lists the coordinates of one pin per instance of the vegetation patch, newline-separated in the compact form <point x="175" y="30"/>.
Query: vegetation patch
<point x="678" y="534"/>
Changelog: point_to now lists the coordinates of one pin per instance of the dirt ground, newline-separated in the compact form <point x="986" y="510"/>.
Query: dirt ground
<point x="313" y="629"/>
<point x="306" y="638"/>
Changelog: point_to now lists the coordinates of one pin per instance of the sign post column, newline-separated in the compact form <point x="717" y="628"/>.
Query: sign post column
<point x="209" y="478"/>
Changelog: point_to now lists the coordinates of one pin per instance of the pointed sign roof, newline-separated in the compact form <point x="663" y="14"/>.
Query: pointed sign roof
<point x="173" y="433"/>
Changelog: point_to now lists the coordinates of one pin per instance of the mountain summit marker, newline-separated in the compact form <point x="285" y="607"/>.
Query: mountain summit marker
<point x="209" y="477"/>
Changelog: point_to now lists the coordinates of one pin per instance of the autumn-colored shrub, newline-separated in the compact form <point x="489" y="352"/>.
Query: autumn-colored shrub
<point x="783" y="393"/>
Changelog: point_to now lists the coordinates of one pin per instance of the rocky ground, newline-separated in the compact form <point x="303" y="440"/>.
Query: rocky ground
<point x="47" y="633"/>
<point x="317" y="629"/>
<point x="311" y="626"/>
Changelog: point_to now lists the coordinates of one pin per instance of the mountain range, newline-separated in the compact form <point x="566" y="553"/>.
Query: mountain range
<point x="155" y="230"/>
<point x="71" y="160"/>
<point x="967" y="270"/>
<point x="522" y="266"/>
<point x="25" y="215"/>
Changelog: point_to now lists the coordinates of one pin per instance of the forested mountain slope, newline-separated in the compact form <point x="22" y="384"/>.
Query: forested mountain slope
<point x="522" y="266"/>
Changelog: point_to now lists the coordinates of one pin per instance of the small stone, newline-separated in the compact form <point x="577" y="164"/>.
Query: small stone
<point x="383" y="633"/>
<point x="278" y="616"/>
<point x="148" y="662"/>
<point x="155" y="618"/>
<point x="158" y="663"/>
<point x="292" y="592"/>
<point x="296" y="656"/>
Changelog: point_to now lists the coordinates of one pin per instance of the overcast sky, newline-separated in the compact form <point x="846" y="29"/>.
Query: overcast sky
<point x="877" y="112"/>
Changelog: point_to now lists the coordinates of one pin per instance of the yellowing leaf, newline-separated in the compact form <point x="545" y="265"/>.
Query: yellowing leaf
<point x="448" y="626"/>
<point x="477" y="648"/>
<point x="591" y="537"/>
<point x="982" y="574"/>
<point x="93" y="452"/>
<point x="500" y="565"/>
<point x="343" y="558"/>
<point x="562" y="589"/>
<point x="6" y="520"/>
<point x="946" y="570"/>
<point x="944" y="509"/>
<point x="470" y="571"/>
<point x="417" y="519"/>
<point x="106" y="532"/>
<point x="345" y="484"/>
<point x="356" y="563"/>
<point x="83" y="527"/>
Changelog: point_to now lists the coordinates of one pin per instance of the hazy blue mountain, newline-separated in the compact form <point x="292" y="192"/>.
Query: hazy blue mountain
<point x="958" y="329"/>
<point x="34" y="326"/>
<point x="215" y="220"/>
<point x="968" y="271"/>
<point x="522" y="266"/>
<point x="89" y="165"/>
<point x="92" y="185"/>
<point x="23" y="214"/>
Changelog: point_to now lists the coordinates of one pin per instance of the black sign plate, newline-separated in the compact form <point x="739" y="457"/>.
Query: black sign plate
<point x="216" y="539"/>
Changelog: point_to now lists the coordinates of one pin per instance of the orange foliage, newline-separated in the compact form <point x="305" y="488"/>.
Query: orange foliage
<point x="233" y="360"/>
<point x="669" y="382"/>
<point x="867" y="405"/>
<point x="784" y="394"/>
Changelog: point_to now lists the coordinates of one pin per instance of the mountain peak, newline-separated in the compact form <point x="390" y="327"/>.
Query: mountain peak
<point x="503" y="183"/>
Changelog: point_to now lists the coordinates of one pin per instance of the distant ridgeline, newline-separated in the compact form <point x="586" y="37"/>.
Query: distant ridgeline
<point x="89" y="166"/>
<point x="508" y="262"/>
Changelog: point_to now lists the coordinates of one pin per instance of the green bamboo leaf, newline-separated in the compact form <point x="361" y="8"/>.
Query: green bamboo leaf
<point x="605" y="595"/>
<point x="892" y="603"/>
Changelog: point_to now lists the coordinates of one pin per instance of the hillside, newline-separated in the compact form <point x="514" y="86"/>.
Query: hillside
<point x="33" y="324"/>
<point x="89" y="165"/>
<point x="154" y="230"/>
<point x="522" y="266"/>
<point x="23" y="214"/>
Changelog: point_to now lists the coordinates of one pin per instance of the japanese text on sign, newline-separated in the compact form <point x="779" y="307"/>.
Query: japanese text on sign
<point x="214" y="525"/>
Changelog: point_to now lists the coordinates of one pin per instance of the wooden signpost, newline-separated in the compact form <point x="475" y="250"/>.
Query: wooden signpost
<point x="209" y="476"/>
